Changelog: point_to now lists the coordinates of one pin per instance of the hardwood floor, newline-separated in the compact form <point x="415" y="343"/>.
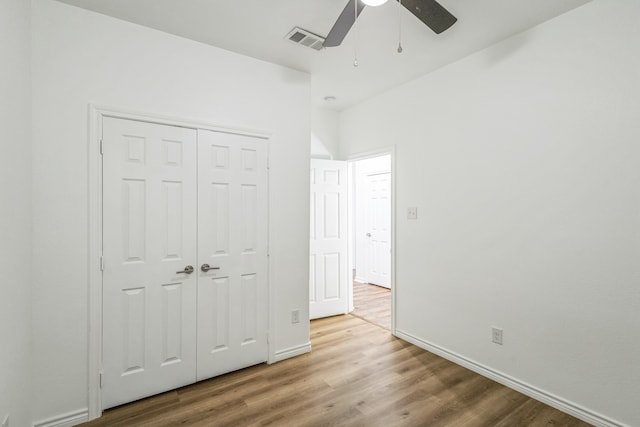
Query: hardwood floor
<point x="356" y="375"/>
<point x="372" y="303"/>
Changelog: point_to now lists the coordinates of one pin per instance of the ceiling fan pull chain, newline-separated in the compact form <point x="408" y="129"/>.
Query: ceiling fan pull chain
<point x="355" y="46"/>
<point x="399" y="26"/>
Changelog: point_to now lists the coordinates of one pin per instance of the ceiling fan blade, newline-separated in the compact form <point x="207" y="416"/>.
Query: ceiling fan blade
<point x="343" y="24"/>
<point x="431" y="13"/>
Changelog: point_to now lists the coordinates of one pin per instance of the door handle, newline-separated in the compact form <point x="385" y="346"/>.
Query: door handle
<point x="187" y="270"/>
<point x="206" y="267"/>
<point x="368" y="234"/>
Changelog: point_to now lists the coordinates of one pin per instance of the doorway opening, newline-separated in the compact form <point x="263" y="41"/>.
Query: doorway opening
<point x="351" y="262"/>
<point x="371" y="238"/>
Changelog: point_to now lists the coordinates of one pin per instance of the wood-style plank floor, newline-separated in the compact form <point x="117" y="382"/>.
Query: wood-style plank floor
<point x="358" y="374"/>
<point x="372" y="303"/>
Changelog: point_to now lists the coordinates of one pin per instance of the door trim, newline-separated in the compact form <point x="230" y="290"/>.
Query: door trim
<point x="95" y="244"/>
<point x="391" y="151"/>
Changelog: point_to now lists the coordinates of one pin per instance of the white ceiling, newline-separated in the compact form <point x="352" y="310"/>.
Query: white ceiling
<point x="257" y="28"/>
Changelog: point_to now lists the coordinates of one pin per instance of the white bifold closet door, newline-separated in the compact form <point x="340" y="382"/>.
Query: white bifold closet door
<point x="232" y="236"/>
<point x="149" y="235"/>
<point x="174" y="201"/>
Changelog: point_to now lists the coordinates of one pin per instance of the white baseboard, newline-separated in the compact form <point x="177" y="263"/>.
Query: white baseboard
<point x="77" y="417"/>
<point x="515" y="384"/>
<point x="66" y="420"/>
<point x="290" y="352"/>
<point x="74" y="418"/>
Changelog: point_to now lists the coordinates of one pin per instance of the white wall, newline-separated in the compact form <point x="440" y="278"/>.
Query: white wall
<point x="15" y="211"/>
<point x="82" y="57"/>
<point x="324" y="133"/>
<point x="524" y="162"/>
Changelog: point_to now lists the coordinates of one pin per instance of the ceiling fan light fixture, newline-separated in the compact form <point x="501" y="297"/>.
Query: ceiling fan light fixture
<point x="374" y="2"/>
<point x="430" y="12"/>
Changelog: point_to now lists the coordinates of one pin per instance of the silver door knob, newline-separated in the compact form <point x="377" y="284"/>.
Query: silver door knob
<point x="187" y="270"/>
<point x="206" y="267"/>
<point x="368" y="234"/>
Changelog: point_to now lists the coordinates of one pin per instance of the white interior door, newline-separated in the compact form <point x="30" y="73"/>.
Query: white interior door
<point x="328" y="276"/>
<point x="378" y="213"/>
<point x="232" y="236"/>
<point x="185" y="283"/>
<point x="149" y="237"/>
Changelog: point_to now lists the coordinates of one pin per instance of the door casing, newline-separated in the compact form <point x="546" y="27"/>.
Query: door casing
<point x="94" y="252"/>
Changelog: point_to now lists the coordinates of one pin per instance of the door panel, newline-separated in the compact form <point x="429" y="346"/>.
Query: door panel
<point x="149" y="231"/>
<point x="378" y="211"/>
<point x="232" y="231"/>
<point x="328" y="244"/>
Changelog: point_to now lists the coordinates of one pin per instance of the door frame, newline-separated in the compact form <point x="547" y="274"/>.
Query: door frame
<point x="95" y="243"/>
<point x="352" y="159"/>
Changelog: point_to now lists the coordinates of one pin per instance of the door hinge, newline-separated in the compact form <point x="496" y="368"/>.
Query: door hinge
<point x="101" y="380"/>
<point x="101" y="263"/>
<point x="101" y="151"/>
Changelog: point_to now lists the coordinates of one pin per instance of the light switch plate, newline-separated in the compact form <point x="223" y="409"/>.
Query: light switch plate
<point x="412" y="213"/>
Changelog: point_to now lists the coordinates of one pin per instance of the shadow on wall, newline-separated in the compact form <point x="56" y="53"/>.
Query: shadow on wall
<point x="506" y="49"/>
<point x="318" y="149"/>
<point x="324" y="133"/>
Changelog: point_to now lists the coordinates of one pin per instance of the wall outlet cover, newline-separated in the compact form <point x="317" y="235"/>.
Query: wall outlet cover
<point x="412" y="213"/>
<point x="496" y="335"/>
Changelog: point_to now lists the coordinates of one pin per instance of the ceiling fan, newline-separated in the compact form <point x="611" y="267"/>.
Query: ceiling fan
<point x="430" y="12"/>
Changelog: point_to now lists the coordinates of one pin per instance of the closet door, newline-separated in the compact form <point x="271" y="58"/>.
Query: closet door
<point x="149" y="235"/>
<point x="232" y="248"/>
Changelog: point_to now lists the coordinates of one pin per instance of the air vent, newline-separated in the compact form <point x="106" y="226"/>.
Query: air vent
<point x="305" y="38"/>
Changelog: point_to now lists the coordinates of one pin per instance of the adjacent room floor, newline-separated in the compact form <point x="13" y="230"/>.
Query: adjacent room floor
<point x="372" y="303"/>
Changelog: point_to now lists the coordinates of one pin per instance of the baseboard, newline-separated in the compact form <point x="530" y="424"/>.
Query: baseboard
<point x="515" y="384"/>
<point x="74" y="418"/>
<point x="66" y="420"/>
<point x="290" y="352"/>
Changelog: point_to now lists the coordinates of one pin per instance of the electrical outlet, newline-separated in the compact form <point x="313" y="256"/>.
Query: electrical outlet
<point x="5" y="422"/>
<point x="412" y="213"/>
<point x="496" y="336"/>
<point x="295" y="316"/>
